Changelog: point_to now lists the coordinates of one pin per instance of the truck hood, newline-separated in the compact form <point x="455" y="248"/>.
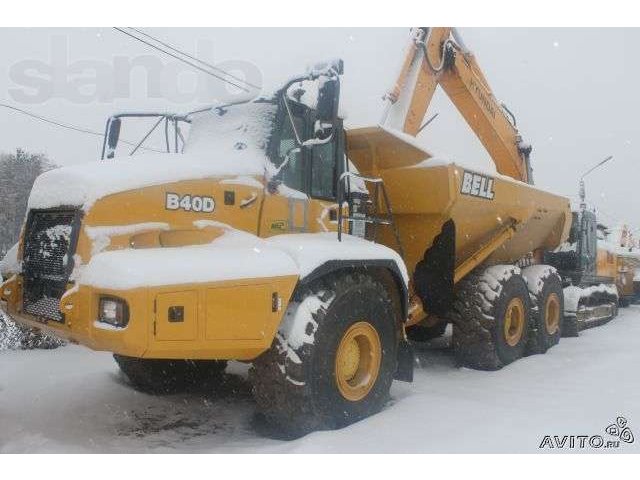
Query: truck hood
<point x="82" y="185"/>
<point x="223" y="142"/>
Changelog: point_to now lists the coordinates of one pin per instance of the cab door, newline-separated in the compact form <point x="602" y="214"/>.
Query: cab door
<point x="301" y="197"/>
<point x="325" y="167"/>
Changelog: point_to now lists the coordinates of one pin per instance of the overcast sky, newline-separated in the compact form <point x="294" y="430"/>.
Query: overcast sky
<point x="574" y="91"/>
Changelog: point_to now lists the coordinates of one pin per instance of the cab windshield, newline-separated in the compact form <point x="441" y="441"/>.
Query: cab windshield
<point x="239" y="126"/>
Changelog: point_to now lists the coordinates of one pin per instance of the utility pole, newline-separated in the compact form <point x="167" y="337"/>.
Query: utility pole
<point x="582" y="193"/>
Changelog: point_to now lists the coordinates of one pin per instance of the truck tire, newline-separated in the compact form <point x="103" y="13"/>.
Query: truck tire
<point x="170" y="376"/>
<point x="490" y="318"/>
<point x="547" y="308"/>
<point x="420" y="333"/>
<point x="333" y="359"/>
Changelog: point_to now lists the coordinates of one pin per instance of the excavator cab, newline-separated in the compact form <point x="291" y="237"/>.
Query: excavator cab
<point x="588" y="244"/>
<point x="577" y="259"/>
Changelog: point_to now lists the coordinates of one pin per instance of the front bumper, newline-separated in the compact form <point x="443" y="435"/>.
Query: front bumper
<point x="221" y="320"/>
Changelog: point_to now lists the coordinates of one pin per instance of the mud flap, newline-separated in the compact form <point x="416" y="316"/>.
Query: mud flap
<point x="406" y="359"/>
<point x="433" y="276"/>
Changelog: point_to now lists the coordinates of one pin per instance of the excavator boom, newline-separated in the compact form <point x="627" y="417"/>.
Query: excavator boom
<point x="437" y="56"/>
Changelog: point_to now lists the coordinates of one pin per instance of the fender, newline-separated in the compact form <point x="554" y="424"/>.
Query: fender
<point x="368" y="265"/>
<point x="406" y="358"/>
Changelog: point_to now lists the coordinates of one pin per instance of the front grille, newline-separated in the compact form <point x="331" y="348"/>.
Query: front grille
<point x="49" y="244"/>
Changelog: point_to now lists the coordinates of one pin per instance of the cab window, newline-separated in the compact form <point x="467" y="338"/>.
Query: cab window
<point x="312" y="170"/>
<point x="292" y="174"/>
<point x="323" y="171"/>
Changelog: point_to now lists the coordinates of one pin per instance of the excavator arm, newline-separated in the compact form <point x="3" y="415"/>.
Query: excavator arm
<point x="437" y="56"/>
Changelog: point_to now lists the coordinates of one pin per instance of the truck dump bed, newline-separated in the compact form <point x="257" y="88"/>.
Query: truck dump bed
<point x="497" y="219"/>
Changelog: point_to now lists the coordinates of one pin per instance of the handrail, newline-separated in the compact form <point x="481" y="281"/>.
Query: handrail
<point x="375" y="220"/>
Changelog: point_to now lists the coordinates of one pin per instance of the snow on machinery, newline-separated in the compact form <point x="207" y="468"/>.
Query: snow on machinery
<point x="597" y="267"/>
<point x="234" y="248"/>
<point x="474" y="239"/>
<point x="589" y="275"/>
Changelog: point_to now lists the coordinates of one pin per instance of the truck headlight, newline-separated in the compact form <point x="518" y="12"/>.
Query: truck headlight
<point x="113" y="311"/>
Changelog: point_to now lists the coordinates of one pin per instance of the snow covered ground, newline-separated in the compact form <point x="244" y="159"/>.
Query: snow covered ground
<point x="75" y="400"/>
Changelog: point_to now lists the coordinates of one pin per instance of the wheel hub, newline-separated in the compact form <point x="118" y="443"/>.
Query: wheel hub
<point x="552" y="314"/>
<point x="357" y="361"/>
<point x="514" y="322"/>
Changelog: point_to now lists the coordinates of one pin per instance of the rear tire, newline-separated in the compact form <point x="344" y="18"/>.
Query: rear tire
<point x="170" y="376"/>
<point x="300" y="386"/>
<point x="547" y="308"/>
<point x="491" y="318"/>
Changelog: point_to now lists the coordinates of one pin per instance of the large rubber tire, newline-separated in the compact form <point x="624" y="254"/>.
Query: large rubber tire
<point x="294" y="382"/>
<point x="547" y="307"/>
<point x="170" y="376"/>
<point x="478" y="318"/>
<point x="420" y="333"/>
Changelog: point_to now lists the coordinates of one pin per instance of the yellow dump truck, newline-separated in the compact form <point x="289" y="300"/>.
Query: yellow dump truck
<point x="275" y="236"/>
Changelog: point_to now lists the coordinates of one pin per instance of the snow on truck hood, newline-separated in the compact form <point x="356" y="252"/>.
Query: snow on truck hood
<point x="82" y="185"/>
<point x="233" y="256"/>
<point x="222" y="142"/>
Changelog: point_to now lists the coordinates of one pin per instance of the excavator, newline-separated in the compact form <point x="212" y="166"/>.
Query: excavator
<point x="273" y="235"/>
<point x="591" y="295"/>
<point x="439" y="57"/>
<point x="597" y="267"/>
<point x="589" y="273"/>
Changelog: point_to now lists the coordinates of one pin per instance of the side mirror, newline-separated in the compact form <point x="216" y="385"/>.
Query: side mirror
<point x="332" y="67"/>
<point x="113" y="135"/>
<point x="327" y="76"/>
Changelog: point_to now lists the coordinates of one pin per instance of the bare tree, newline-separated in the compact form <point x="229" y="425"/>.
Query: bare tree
<point x="18" y="171"/>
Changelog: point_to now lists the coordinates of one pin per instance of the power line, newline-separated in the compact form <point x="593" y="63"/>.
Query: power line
<point x="68" y="126"/>
<point x="213" y="67"/>
<point x="52" y="122"/>
<point x="182" y="59"/>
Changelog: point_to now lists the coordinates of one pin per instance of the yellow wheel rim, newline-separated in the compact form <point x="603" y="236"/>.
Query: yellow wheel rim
<point x="514" y="322"/>
<point x="358" y="361"/>
<point x="552" y="314"/>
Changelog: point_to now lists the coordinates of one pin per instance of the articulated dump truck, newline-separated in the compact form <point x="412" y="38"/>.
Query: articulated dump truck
<point x="273" y="235"/>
